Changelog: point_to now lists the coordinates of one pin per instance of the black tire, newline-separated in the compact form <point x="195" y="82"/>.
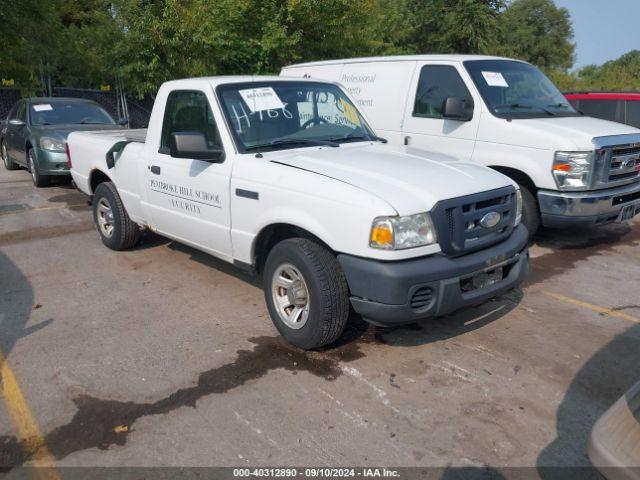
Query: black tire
<point x="530" y="211"/>
<point x="38" y="180"/>
<point x="328" y="293"/>
<point x="125" y="233"/>
<point x="8" y="163"/>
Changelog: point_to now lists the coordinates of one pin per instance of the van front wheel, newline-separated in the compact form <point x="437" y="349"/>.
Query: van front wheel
<point x="306" y="293"/>
<point x="530" y="211"/>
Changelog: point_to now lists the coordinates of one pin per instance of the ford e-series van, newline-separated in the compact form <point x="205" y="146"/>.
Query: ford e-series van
<point x="505" y="114"/>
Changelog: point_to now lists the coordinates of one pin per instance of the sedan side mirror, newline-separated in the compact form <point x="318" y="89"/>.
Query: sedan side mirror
<point x="123" y="121"/>
<point x="194" y="145"/>
<point x="454" y="108"/>
<point x="17" y="123"/>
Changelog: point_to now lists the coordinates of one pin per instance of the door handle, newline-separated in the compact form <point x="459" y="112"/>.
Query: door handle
<point x="155" y="169"/>
<point x="406" y="140"/>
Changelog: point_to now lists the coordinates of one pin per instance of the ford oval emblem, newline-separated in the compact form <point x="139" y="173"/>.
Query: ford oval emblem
<point x="490" y="220"/>
<point x="631" y="162"/>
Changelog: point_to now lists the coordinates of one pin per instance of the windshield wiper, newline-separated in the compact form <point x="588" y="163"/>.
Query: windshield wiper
<point x="525" y="106"/>
<point x="350" y="136"/>
<point x="292" y="141"/>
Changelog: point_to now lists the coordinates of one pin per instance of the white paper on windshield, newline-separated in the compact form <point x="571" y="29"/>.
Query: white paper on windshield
<point x="260" y="99"/>
<point x="43" y="107"/>
<point x="495" y="79"/>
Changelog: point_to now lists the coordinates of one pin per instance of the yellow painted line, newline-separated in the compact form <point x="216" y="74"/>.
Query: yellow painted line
<point x="25" y="423"/>
<point x="39" y="209"/>
<point x="610" y="312"/>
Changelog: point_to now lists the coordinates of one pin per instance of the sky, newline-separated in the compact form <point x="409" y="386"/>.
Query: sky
<point x="604" y="29"/>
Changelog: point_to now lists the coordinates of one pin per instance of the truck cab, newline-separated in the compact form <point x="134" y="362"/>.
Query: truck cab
<point x="285" y="178"/>
<point x="504" y="114"/>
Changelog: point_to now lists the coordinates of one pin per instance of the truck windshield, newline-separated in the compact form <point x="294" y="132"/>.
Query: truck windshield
<point x="289" y="114"/>
<point x="56" y="113"/>
<point x="517" y="90"/>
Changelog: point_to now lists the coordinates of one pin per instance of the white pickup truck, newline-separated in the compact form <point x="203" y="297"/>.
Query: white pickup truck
<point x="285" y="178"/>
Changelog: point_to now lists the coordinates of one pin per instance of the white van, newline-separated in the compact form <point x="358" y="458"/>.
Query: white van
<point x="505" y="114"/>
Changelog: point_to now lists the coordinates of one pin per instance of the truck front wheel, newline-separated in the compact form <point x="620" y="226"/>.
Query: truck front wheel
<point x="306" y="293"/>
<point x="116" y="229"/>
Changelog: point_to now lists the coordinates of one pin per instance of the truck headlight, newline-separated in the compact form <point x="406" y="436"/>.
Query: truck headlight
<point x="51" y="144"/>
<point x="518" y="217"/>
<point x="573" y="170"/>
<point x="397" y="233"/>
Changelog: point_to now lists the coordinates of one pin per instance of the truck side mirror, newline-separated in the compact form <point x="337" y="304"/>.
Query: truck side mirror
<point x="454" y="108"/>
<point x="194" y="145"/>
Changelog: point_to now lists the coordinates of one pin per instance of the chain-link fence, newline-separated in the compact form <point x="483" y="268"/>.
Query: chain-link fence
<point x="137" y="112"/>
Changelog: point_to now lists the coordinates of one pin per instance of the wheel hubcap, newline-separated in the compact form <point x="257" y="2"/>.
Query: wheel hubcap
<point x="290" y="296"/>
<point x="32" y="167"/>
<point x="105" y="217"/>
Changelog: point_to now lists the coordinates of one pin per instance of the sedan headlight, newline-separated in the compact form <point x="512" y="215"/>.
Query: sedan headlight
<point x="573" y="170"/>
<point x="397" y="233"/>
<point x="518" y="217"/>
<point x="51" y="144"/>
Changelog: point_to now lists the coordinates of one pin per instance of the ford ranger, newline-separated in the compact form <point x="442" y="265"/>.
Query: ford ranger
<point x="286" y="179"/>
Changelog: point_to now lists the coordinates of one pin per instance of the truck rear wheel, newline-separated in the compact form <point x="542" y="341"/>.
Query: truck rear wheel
<point x="306" y="293"/>
<point x="530" y="211"/>
<point x="116" y="229"/>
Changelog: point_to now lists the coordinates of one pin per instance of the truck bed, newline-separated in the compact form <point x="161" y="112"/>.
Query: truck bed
<point x="138" y="135"/>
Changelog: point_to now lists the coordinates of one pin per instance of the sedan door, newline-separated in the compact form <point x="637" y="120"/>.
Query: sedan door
<point x="16" y="133"/>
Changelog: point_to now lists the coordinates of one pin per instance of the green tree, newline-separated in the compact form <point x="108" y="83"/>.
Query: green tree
<point x="453" y="26"/>
<point x="539" y="32"/>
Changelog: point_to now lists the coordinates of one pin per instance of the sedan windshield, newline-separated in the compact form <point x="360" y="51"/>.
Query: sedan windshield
<point x="517" y="90"/>
<point x="56" y="113"/>
<point x="289" y="114"/>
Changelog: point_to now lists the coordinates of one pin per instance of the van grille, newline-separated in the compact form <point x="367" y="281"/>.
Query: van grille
<point x="618" y="166"/>
<point x="458" y="221"/>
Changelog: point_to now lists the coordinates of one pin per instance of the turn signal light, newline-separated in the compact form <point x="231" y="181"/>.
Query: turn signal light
<point x="563" y="167"/>
<point x="382" y="235"/>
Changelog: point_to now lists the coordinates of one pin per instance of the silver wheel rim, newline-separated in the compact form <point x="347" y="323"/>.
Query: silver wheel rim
<point x="105" y="217"/>
<point x="290" y="296"/>
<point x="32" y="167"/>
<point x="5" y="157"/>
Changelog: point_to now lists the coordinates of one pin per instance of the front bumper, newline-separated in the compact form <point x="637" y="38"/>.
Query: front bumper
<point x="51" y="163"/>
<point x="562" y="209"/>
<point x="385" y="293"/>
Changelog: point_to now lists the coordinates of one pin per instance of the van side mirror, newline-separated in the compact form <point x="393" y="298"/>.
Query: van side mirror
<point x="454" y="108"/>
<point x="194" y="145"/>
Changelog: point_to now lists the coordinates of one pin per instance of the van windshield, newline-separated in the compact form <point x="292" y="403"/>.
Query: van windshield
<point x="517" y="90"/>
<point x="289" y="114"/>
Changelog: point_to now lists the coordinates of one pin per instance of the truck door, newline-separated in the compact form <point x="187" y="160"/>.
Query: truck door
<point x="425" y="127"/>
<point x="188" y="199"/>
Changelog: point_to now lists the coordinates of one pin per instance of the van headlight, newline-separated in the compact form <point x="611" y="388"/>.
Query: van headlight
<point x="398" y="233"/>
<point x="573" y="170"/>
<point x="518" y="217"/>
<point x="51" y="144"/>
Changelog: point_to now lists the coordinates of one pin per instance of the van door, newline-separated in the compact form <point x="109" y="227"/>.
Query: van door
<point x="188" y="199"/>
<point x="425" y="127"/>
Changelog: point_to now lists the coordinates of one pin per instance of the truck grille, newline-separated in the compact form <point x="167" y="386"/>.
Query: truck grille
<point x="459" y="221"/>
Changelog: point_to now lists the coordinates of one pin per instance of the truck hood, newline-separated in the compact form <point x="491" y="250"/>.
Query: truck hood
<point x="555" y="133"/>
<point x="411" y="181"/>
